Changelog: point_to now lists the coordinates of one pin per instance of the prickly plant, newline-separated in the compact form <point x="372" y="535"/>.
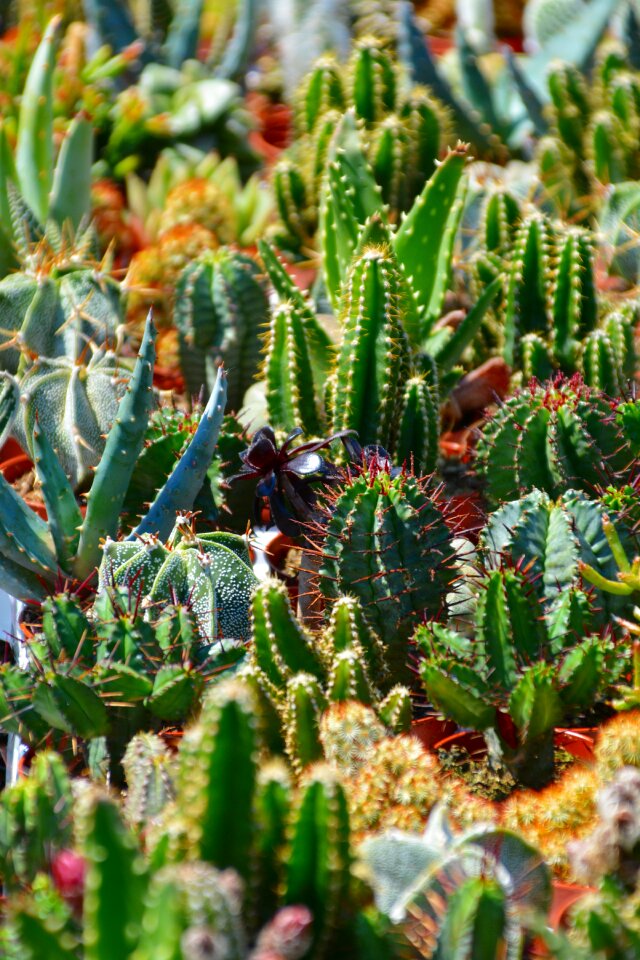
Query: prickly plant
<point x="404" y="136"/>
<point x="552" y="539"/>
<point x="297" y="674"/>
<point x="36" y="554"/>
<point x="210" y="573"/>
<point x="547" y="818"/>
<point x="553" y="436"/>
<point x="618" y="744"/>
<point x="73" y="405"/>
<point x="35" y="821"/>
<point x="220" y="309"/>
<point x="105" y="678"/>
<point x="150" y="775"/>
<point x="386" y="542"/>
<point x="365" y="397"/>
<point x="515" y="676"/>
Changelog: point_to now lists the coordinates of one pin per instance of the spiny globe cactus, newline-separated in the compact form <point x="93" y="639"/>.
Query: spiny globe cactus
<point x="553" y="436"/>
<point x="386" y="542"/>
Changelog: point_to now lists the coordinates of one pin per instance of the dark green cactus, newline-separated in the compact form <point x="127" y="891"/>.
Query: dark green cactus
<point x="518" y="671"/>
<point x="221" y="308"/>
<point x="296" y="674"/>
<point x="387" y="543"/>
<point x="374" y="357"/>
<point x="552" y="436"/>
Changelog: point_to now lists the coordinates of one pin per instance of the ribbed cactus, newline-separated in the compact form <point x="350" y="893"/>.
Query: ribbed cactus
<point x="55" y="307"/>
<point x="221" y="308"/>
<point x="150" y="776"/>
<point x="291" y="399"/>
<point x="36" y="553"/>
<point x="551" y="539"/>
<point x="374" y="358"/>
<point x="296" y="674"/>
<point x="74" y="406"/>
<point x="387" y="543"/>
<point x="552" y="436"/>
<point x="527" y="299"/>
<point x="403" y="133"/>
<point x="517" y="673"/>
<point x="210" y="573"/>
<point x="36" y="820"/>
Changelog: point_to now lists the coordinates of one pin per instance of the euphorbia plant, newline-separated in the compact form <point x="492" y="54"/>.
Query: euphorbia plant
<point x="520" y="673"/>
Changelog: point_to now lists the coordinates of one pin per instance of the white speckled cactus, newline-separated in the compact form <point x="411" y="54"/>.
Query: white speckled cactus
<point x="210" y="573"/>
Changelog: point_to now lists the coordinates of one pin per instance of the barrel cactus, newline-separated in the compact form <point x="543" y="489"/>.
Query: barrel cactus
<point x="552" y="436"/>
<point x="221" y="308"/>
<point x="386" y="542"/>
<point x="210" y="573"/>
<point x="75" y="405"/>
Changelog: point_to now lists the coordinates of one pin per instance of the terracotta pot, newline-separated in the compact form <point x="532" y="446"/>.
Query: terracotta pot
<point x="578" y="742"/>
<point x="432" y="730"/>
<point x="563" y="897"/>
<point x="14" y="462"/>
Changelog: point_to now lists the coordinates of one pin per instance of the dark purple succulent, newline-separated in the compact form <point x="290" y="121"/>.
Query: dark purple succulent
<point x="286" y="475"/>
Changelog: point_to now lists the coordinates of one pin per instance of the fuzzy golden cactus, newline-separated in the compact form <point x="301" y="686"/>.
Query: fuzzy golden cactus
<point x="618" y="744"/>
<point x="565" y="810"/>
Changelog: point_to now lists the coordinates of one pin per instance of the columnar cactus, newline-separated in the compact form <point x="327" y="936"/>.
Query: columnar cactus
<point x="374" y="358"/>
<point x="36" y="820"/>
<point x="221" y="307"/>
<point x="552" y="436"/>
<point x="386" y="542"/>
<point x="296" y="674"/>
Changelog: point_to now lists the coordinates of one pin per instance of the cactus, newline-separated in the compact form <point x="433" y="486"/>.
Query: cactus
<point x="547" y="817"/>
<point x="350" y="733"/>
<point x="517" y="677"/>
<point x="387" y="543"/>
<point x="37" y="552"/>
<point x="553" y="436"/>
<point x="364" y="397"/>
<point x="288" y="373"/>
<point x="221" y="306"/>
<point x="210" y="573"/>
<point x="150" y="778"/>
<point x="36" y="820"/>
<point x="551" y="539"/>
<point x="618" y="744"/>
<point x="108" y="678"/>
<point x="54" y="308"/>
<point x="298" y="674"/>
<point x="74" y="407"/>
<point x="404" y="137"/>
